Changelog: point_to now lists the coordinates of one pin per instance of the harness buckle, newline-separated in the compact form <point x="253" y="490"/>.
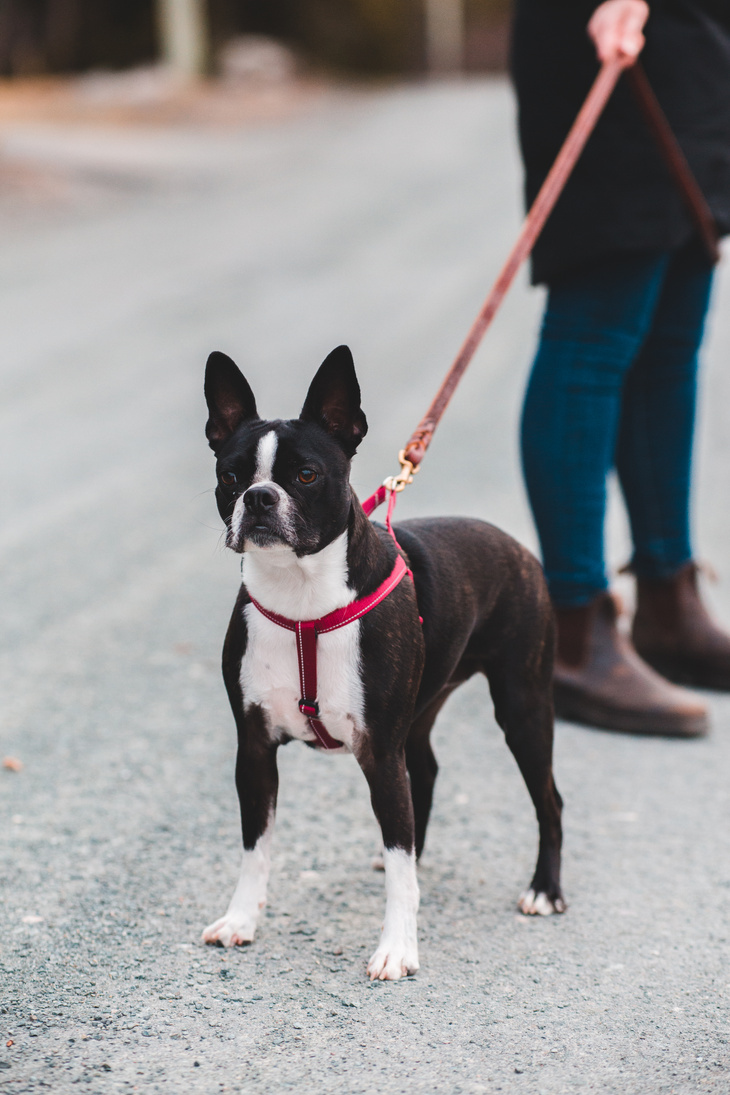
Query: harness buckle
<point x="310" y="710"/>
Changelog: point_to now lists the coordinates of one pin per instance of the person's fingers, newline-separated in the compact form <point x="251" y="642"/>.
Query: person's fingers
<point x="616" y="44"/>
<point x="631" y="37"/>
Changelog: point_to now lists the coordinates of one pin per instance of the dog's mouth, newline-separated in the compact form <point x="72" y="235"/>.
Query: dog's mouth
<point x="253" y="531"/>
<point x="263" y="536"/>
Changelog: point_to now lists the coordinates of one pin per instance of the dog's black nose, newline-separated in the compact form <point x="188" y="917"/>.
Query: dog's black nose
<point x="260" y="499"/>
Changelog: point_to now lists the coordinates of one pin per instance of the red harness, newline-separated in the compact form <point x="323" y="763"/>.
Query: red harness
<point x="306" y="631"/>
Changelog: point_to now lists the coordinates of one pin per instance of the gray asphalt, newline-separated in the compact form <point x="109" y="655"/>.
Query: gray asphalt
<point x="377" y="218"/>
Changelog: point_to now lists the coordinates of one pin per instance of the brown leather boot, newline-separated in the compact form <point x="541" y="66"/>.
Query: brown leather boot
<point x="600" y="680"/>
<point x="674" y="632"/>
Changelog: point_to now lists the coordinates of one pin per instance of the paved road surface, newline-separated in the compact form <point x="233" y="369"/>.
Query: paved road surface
<point x="376" y="218"/>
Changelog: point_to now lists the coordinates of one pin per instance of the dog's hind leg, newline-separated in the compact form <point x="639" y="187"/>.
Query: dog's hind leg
<point x="422" y="767"/>
<point x="523" y="708"/>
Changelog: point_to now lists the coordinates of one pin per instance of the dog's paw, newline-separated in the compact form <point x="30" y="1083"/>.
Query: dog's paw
<point x="229" y="931"/>
<point x="539" y="904"/>
<point x="392" y="961"/>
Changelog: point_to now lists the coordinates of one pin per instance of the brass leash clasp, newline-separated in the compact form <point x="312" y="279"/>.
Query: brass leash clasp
<point x="398" y="482"/>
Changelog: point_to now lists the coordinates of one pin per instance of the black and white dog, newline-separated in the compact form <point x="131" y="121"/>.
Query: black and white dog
<point x="309" y="550"/>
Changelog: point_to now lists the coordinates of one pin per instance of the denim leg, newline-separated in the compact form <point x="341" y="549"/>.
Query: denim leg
<point x="654" y="451"/>
<point x="594" y="325"/>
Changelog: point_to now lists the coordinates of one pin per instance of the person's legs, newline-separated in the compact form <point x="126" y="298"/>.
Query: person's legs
<point x="654" y="450"/>
<point x="672" y="629"/>
<point x="594" y="326"/>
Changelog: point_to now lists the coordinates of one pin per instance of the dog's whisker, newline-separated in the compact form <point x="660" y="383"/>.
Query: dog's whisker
<point x="204" y="524"/>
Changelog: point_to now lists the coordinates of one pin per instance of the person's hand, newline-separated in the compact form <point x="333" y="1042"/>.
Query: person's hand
<point x="616" y="28"/>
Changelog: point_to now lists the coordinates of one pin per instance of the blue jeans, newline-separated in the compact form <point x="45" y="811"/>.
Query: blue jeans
<point x="614" y="384"/>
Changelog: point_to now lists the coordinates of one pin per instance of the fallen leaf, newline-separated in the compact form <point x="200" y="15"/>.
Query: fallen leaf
<point x="13" y="764"/>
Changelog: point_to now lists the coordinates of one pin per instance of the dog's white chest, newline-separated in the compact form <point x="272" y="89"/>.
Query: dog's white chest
<point x="306" y="588"/>
<point x="270" y="678"/>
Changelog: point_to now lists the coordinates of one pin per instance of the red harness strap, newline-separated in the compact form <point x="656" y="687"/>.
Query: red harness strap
<point x="306" y="632"/>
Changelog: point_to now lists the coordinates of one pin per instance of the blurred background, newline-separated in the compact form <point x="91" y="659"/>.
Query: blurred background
<point x="272" y="178"/>
<point x="363" y="36"/>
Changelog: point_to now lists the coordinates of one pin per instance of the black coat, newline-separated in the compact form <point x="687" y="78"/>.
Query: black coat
<point x="621" y="196"/>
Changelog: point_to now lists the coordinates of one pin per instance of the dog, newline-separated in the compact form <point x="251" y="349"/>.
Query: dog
<point x="424" y="611"/>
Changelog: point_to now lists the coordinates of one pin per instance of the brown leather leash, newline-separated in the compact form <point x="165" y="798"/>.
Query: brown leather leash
<point x="411" y="456"/>
<point x="675" y="160"/>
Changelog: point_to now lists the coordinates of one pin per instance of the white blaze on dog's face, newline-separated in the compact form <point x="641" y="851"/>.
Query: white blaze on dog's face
<point x="265" y="456"/>
<point x="264" y="500"/>
<point x="284" y="483"/>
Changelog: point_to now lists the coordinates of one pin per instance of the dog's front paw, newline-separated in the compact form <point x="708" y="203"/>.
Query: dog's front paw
<point x="539" y="904"/>
<point x="230" y="931"/>
<point x="392" y="960"/>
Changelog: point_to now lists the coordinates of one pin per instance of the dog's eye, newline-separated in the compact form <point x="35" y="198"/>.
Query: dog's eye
<point x="306" y="475"/>
<point x="228" y="478"/>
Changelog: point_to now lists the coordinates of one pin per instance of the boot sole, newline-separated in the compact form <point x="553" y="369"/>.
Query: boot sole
<point x="577" y="707"/>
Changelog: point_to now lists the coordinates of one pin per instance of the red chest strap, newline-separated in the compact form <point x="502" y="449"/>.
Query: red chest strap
<point x="306" y="632"/>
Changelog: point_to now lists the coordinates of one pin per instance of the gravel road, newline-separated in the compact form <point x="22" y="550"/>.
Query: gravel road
<point x="377" y="218"/>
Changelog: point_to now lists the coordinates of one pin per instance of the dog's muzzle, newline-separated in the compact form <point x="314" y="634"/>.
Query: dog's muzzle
<point x="259" y="517"/>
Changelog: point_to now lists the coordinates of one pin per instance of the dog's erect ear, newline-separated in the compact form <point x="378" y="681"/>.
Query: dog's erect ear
<point x="333" y="400"/>
<point x="229" y="398"/>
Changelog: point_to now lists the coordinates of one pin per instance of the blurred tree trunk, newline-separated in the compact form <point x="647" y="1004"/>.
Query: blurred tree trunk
<point x="444" y="35"/>
<point x="184" y="35"/>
